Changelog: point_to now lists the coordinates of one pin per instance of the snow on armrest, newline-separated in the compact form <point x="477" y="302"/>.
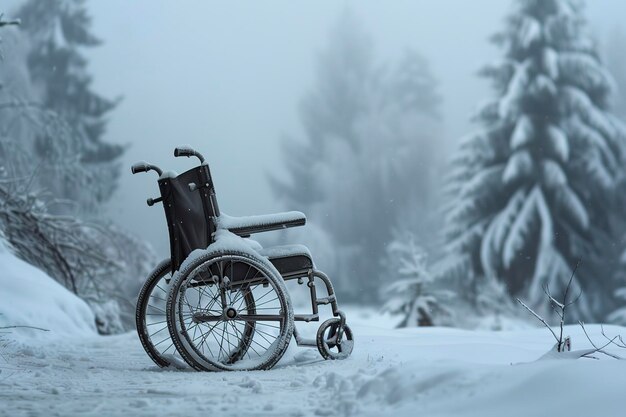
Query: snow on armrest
<point x="247" y="225"/>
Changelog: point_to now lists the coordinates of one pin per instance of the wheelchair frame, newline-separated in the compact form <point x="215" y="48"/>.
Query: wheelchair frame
<point x="193" y="215"/>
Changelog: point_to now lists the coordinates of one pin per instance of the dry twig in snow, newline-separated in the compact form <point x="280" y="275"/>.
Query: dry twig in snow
<point x="560" y="308"/>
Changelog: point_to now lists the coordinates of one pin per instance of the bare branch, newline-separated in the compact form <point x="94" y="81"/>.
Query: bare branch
<point x="599" y="349"/>
<point x="580" y="294"/>
<point x="565" y="304"/>
<point x="8" y="22"/>
<point x="560" y="308"/>
<point x="546" y="290"/>
<point x="588" y="356"/>
<point x="571" y="279"/>
<point x="24" y="327"/>
<point x="618" y="337"/>
<point x="538" y="317"/>
<point x="19" y="105"/>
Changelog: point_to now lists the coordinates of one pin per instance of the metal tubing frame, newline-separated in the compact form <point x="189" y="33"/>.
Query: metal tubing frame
<point x="311" y="274"/>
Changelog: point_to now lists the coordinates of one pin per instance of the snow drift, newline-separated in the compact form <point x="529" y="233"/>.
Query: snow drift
<point x="29" y="297"/>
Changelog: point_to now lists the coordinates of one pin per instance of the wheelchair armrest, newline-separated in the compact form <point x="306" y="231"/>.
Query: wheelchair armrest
<point x="247" y="225"/>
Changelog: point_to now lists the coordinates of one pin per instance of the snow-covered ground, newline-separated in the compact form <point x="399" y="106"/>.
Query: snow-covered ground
<point x="425" y="372"/>
<point x="71" y="371"/>
<point x="29" y="297"/>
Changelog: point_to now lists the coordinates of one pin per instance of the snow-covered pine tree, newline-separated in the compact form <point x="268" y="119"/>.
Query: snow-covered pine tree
<point x="100" y="263"/>
<point x="320" y="166"/>
<point x="58" y="31"/>
<point x="616" y="63"/>
<point x="330" y="113"/>
<point x="618" y="316"/>
<point x="411" y="291"/>
<point x="3" y="343"/>
<point x="3" y="23"/>
<point x="368" y="150"/>
<point x="532" y="191"/>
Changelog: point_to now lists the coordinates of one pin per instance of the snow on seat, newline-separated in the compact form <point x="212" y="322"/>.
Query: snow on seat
<point x="289" y="259"/>
<point x="247" y="225"/>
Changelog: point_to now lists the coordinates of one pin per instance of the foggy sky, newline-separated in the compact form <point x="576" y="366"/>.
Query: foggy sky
<point x="227" y="78"/>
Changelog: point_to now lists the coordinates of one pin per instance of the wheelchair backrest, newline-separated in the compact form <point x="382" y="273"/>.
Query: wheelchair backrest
<point x="191" y="211"/>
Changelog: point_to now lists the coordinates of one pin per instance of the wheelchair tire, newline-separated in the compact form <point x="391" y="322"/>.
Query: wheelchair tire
<point x="327" y="343"/>
<point x="151" y="319"/>
<point x="229" y="312"/>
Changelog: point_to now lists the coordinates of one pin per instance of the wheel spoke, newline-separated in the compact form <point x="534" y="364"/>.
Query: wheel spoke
<point x="268" y="325"/>
<point x="261" y="334"/>
<point x="157" y="332"/>
<point x="263" y="296"/>
<point x="152" y="329"/>
<point x="214" y="341"/>
<point x="158" y="298"/>
<point x="250" y="344"/>
<point x="267" y="302"/>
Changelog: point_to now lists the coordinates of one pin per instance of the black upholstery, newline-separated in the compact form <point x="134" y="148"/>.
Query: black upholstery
<point x="189" y="223"/>
<point x="290" y="259"/>
<point x="288" y="265"/>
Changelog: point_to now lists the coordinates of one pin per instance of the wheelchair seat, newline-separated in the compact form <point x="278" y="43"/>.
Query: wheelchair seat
<point x="289" y="260"/>
<point x="247" y="225"/>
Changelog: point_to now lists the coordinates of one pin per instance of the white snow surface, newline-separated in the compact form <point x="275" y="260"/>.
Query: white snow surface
<point x="409" y="372"/>
<point x="228" y="222"/>
<point x="168" y="174"/>
<point x="29" y="297"/>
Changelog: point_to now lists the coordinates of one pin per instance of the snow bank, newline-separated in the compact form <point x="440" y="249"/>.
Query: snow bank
<point x="425" y="372"/>
<point x="29" y="297"/>
<point x="451" y="372"/>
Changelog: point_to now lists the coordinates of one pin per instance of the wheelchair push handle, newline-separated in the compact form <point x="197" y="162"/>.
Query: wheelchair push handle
<point x="152" y="201"/>
<point x="188" y="152"/>
<point x="143" y="166"/>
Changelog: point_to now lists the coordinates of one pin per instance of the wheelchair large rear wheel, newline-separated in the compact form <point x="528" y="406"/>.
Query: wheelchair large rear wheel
<point x="151" y="319"/>
<point x="229" y="312"/>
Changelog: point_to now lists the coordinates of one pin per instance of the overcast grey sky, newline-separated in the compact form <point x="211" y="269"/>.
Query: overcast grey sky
<point x="227" y="77"/>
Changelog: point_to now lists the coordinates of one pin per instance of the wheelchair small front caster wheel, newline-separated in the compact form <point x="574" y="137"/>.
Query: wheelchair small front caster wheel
<point x="330" y="345"/>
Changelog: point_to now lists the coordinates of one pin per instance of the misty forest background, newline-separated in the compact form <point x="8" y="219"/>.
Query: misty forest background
<point x="396" y="219"/>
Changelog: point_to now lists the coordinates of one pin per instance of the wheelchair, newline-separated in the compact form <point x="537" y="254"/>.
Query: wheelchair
<point x="220" y="303"/>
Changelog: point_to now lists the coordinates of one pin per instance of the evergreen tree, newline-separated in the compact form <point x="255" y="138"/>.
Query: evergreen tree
<point x="618" y="316"/>
<point x="532" y="191"/>
<point x="59" y="30"/>
<point x="100" y="262"/>
<point x="330" y="114"/>
<point x="616" y="62"/>
<point x="368" y="151"/>
<point x="413" y="293"/>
